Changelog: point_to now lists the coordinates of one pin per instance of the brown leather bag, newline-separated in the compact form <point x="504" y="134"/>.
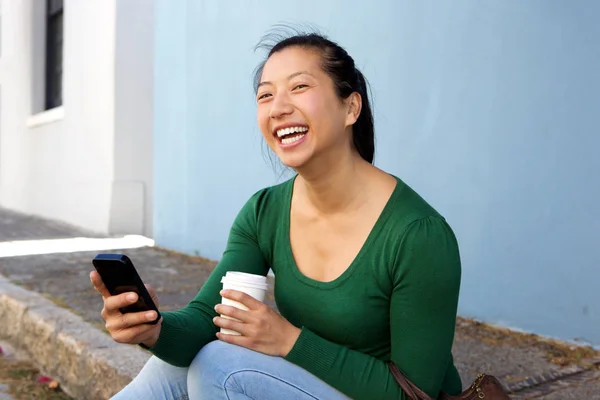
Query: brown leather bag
<point x="485" y="387"/>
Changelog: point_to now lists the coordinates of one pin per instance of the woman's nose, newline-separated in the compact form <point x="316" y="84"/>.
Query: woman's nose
<point x="280" y="106"/>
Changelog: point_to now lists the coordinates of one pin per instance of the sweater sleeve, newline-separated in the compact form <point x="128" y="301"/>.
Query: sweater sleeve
<point x="186" y="331"/>
<point x="423" y="306"/>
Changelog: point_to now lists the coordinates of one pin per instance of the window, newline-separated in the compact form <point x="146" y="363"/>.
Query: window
<point x="54" y="53"/>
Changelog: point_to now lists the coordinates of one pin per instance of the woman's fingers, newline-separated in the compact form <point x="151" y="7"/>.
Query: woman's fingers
<point x="99" y="284"/>
<point x="129" y="320"/>
<point x="233" y="312"/>
<point x="233" y="325"/>
<point x="243" y="298"/>
<point x="238" y="340"/>
<point x="134" y="334"/>
<point x="114" y="303"/>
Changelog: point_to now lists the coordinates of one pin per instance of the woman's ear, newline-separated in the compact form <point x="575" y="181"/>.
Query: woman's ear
<point x="354" y="105"/>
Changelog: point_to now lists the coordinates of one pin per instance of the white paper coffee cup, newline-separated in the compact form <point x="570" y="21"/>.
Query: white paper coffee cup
<point x="251" y="284"/>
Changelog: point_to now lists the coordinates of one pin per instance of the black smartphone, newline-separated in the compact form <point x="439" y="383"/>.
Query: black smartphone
<point x="119" y="276"/>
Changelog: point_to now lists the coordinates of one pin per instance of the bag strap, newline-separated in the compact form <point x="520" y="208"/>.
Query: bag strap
<point x="411" y="390"/>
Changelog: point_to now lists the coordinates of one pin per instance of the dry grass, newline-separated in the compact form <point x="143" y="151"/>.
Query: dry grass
<point x="557" y="352"/>
<point x="187" y="258"/>
<point x="20" y="377"/>
<point x="59" y="302"/>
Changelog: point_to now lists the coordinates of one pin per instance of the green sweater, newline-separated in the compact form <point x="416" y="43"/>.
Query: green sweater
<point x="397" y="300"/>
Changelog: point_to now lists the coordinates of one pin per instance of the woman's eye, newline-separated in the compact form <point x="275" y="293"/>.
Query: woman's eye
<point x="301" y="86"/>
<point x="263" y="96"/>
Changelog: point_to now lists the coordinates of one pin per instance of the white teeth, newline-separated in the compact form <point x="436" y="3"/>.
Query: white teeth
<point x="292" y="139"/>
<point x="294" y="129"/>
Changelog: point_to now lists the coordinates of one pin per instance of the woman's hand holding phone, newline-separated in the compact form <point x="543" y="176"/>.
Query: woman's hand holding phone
<point x="130" y="328"/>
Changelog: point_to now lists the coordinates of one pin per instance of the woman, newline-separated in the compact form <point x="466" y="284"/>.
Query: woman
<point x="365" y="270"/>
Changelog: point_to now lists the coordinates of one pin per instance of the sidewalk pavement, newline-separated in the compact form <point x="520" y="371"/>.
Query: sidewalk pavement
<point x="52" y="315"/>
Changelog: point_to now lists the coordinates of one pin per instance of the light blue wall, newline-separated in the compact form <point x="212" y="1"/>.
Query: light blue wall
<point x="488" y="108"/>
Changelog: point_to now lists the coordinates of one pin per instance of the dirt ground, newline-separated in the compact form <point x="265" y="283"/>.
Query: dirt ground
<point x="19" y="380"/>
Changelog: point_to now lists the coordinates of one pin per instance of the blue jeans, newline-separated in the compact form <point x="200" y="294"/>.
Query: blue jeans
<point x="224" y="371"/>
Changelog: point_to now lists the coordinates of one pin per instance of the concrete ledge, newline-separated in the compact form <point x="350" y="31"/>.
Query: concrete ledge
<point x="87" y="362"/>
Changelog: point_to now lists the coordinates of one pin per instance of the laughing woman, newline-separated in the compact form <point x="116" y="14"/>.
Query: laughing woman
<point x="366" y="271"/>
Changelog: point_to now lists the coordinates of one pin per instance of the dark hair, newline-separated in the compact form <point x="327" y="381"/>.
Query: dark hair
<point x="347" y="79"/>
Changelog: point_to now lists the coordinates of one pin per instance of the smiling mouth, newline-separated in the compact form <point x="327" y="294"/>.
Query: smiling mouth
<point x="291" y="134"/>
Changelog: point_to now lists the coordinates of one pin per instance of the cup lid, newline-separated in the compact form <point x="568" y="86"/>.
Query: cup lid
<point x="244" y="278"/>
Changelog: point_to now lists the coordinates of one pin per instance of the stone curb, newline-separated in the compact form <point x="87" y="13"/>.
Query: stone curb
<point x="87" y="362"/>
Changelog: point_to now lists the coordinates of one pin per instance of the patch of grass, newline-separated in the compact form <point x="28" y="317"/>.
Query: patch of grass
<point x="20" y="377"/>
<point x="557" y="352"/>
<point x="58" y="301"/>
<point x="192" y="259"/>
<point x="19" y="373"/>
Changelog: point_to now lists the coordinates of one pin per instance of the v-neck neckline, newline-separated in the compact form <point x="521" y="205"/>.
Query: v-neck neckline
<point x="364" y="248"/>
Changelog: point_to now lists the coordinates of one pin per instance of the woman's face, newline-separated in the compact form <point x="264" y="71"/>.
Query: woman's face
<point x="299" y="112"/>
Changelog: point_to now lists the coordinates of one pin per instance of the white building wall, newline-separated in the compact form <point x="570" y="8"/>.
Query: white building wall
<point x="131" y="209"/>
<point x="62" y="163"/>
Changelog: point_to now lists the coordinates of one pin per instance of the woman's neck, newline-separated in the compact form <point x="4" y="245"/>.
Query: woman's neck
<point x="335" y="185"/>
